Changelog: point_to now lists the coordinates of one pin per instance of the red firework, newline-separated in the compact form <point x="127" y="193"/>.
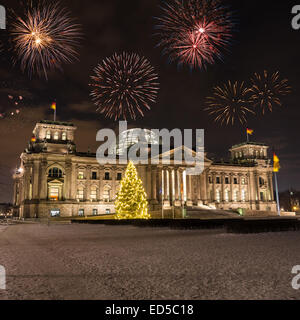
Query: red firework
<point x="195" y="32"/>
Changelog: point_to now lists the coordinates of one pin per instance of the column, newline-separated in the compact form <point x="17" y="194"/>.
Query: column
<point x="189" y="191"/>
<point x="204" y="183"/>
<point x="271" y="188"/>
<point x="166" y="200"/>
<point x="43" y="180"/>
<point x="223" y="187"/>
<point x="180" y="182"/>
<point x="170" y="177"/>
<point x="154" y="184"/>
<point x="35" y="179"/>
<point x="67" y="180"/>
<point x="27" y="168"/>
<point x="257" y="185"/>
<point x="160" y="184"/>
<point x="231" y="187"/>
<point x="214" y="186"/>
<point x="74" y="176"/>
<point x="177" y="202"/>
<point x="199" y="180"/>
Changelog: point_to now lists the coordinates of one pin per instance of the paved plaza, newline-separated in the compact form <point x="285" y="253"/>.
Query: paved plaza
<point x="125" y="262"/>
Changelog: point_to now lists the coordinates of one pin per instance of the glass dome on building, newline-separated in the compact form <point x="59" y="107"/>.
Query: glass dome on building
<point x="131" y="137"/>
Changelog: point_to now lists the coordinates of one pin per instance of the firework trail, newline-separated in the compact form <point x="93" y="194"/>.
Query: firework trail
<point x="124" y="84"/>
<point x="230" y="103"/>
<point x="267" y="90"/>
<point x="195" y="32"/>
<point x="44" y="38"/>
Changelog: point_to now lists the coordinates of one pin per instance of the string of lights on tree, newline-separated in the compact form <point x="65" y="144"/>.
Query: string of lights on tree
<point x="131" y="202"/>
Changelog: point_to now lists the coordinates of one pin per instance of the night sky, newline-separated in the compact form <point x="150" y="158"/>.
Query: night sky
<point x="264" y="39"/>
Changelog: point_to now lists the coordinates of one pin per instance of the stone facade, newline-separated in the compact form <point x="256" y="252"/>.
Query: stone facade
<point x="55" y="179"/>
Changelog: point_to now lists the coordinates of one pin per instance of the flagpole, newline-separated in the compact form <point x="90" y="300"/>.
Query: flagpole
<point x="54" y="114"/>
<point x="277" y="194"/>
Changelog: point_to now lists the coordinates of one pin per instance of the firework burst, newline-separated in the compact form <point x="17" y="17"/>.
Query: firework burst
<point x="45" y="38"/>
<point x="230" y="103"/>
<point x="267" y="90"/>
<point x="195" y="32"/>
<point x="124" y="84"/>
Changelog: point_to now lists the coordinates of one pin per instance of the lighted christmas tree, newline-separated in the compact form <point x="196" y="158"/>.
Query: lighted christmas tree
<point x="131" y="202"/>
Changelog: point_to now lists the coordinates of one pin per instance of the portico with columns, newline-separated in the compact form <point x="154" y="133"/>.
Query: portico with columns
<point x="54" y="179"/>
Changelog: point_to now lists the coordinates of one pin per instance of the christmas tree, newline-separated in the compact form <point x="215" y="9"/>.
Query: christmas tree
<point x="131" y="202"/>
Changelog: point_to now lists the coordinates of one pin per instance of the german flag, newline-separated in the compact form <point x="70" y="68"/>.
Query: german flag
<point x="33" y="139"/>
<point x="53" y="106"/>
<point x="276" y="164"/>
<point x="250" y="131"/>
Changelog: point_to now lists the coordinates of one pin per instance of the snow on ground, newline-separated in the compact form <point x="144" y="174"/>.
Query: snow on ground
<point x="124" y="262"/>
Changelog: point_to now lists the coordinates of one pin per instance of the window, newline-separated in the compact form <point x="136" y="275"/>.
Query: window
<point x="80" y="175"/>
<point x="106" y="176"/>
<point x="64" y="136"/>
<point x="94" y="193"/>
<point x="243" y="180"/>
<point x="210" y="180"/>
<point x="226" y="180"/>
<point x="226" y="196"/>
<point x="261" y="182"/>
<point x="218" y="180"/>
<point x="235" y="181"/>
<point x="107" y="211"/>
<point x="235" y="196"/>
<point x="94" y="175"/>
<point x="261" y="153"/>
<point x="56" y="136"/>
<point x="54" y="193"/>
<point x="80" y="193"/>
<point x="55" y="173"/>
<point x="243" y="197"/>
<point x="48" y="135"/>
<point x="218" y="196"/>
<point x="119" y="176"/>
<point x="81" y="212"/>
<point x="95" y="212"/>
<point x="262" y="196"/>
<point x="106" y="194"/>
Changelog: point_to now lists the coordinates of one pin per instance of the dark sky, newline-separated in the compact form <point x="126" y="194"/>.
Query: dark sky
<point x="264" y="39"/>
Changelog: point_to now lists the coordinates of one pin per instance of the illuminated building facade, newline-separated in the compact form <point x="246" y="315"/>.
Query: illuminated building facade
<point x="54" y="179"/>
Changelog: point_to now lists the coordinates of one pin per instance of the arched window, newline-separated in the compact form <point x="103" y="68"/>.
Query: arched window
<point x="94" y="193"/>
<point x="235" y="196"/>
<point x="106" y="194"/>
<point x="80" y="193"/>
<point x="64" y="136"/>
<point x="56" y="135"/>
<point x="48" y="135"/>
<point x="55" y="173"/>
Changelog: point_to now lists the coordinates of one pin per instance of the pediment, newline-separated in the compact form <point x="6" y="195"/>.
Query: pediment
<point x="179" y="153"/>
